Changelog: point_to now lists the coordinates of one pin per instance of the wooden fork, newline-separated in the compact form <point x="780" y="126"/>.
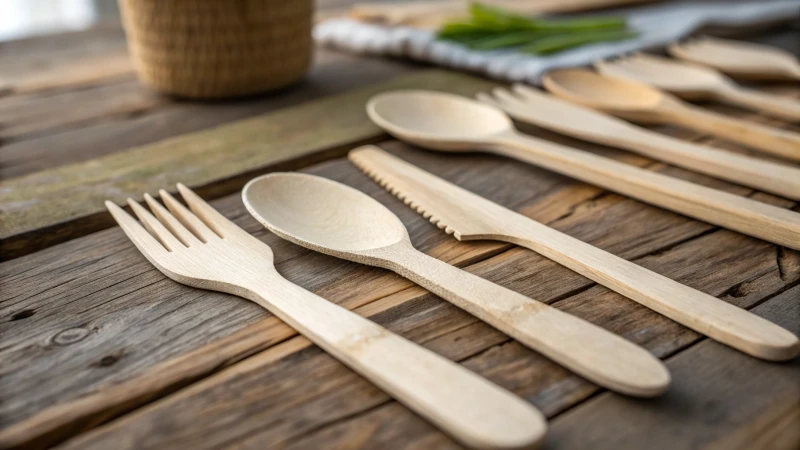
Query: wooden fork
<point x="202" y="248"/>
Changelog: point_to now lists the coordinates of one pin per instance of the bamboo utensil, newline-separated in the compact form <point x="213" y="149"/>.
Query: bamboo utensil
<point x="472" y="217"/>
<point x="533" y="106"/>
<point x="203" y="249"/>
<point x="338" y="220"/>
<point x="449" y="122"/>
<point x="642" y="103"/>
<point x="692" y="81"/>
<point x="737" y="58"/>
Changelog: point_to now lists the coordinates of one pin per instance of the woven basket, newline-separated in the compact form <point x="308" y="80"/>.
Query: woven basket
<point x="218" y="48"/>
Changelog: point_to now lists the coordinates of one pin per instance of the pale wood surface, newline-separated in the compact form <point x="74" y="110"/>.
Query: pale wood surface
<point x="740" y="58"/>
<point x="536" y="107"/>
<point x="446" y="122"/>
<point x="693" y="81"/>
<point x="640" y="102"/>
<point x="471" y="217"/>
<point x="91" y="332"/>
<point x="340" y="221"/>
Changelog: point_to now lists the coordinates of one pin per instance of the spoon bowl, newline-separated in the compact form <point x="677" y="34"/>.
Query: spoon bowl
<point x="623" y="98"/>
<point x="321" y="214"/>
<point x="436" y="119"/>
<point x="683" y="79"/>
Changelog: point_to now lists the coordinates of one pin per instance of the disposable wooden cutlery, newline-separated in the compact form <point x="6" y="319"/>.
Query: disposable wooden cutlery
<point x="641" y="103"/>
<point x="538" y="108"/>
<point x="744" y="59"/>
<point x="470" y="217"/>
<point x="203" y="249"/>
<point x="692" y="81"/>
<point x="447" y="122"/>
<point x="337" y="220"/>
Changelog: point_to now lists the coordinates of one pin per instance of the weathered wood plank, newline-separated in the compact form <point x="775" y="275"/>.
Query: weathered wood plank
<point x="280" y="409"/>
<point x="54" y="205"/>
<point x="103" y="133"/>
<point x="720" y="399"/>
<point x="545" y="196"/>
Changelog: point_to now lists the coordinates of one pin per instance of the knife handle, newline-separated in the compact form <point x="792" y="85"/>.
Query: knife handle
<point x="701" y="312"/>
<point x="767" y="222"/>
<point x="473" y="410"/>
<point x="582" y="347"/>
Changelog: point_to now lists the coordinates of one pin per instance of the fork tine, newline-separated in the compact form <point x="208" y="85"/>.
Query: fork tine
<point x="527" y="92"/>
<point x="207" y="214"/>
<point x="155" y="227"/>
<point x="504" y="95"/>
<point x="483" y="97"/>
<point x="186" y="217"/>
<point x="171" y="223"/>
<point x="143" y="240"/>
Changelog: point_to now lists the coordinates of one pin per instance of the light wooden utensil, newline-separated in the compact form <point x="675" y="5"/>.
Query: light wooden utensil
<point x="692" y="81"/>
<point x="737" y="58"/>
<point x="448" y="122"/>
<point x="533" y="106"/>
<point x="641" y="103"/>
<point x="471" y="217"/>
<point x="338" y="220"/>
<point x="203" y="249"/>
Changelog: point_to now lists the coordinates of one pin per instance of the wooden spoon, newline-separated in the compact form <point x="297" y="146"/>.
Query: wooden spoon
<point x="641" y="103"/>
<point x="338" y="220"/>
<point x="692" y="81"/>
<point x="737" y="58"/>
<point x="449" y="122"/>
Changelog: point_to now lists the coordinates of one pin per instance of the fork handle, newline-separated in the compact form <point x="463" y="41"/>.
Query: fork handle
<point x="741" y="214"/>
<point x="584" y="348"/>
<point x="471" y="409"/>
<point x="784" y="107"/>
<point x="767" y="139"/>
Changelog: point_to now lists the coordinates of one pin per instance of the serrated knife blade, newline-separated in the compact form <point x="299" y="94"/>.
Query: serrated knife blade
<point x="470" y="216"/>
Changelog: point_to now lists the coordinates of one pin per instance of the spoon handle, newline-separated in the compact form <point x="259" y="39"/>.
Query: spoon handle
<point x="584" y="348"/>
<point x="473" y="410"/>
<point x="741" y="214"/>
<point x="767" y="139"/>
<point x="784" y="107"/>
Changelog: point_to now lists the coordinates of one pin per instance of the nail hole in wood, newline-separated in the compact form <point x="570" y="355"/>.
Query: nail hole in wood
<point x="24" y="314"/>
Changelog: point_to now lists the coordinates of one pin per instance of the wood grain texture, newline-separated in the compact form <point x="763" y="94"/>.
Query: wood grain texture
<point x="51" y="206"/>
<point x="717" y="404"/>
<point x="187" y="319"/>
<point x="118" y="125"/>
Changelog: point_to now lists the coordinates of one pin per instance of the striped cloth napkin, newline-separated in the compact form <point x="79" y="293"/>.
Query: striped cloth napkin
<point x="657" y="24"/>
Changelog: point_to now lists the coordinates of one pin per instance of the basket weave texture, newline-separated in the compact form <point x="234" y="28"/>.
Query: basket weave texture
<point x="218" y="48"/>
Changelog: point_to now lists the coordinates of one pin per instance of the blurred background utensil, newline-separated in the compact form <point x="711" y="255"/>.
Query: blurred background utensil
<point x="530" y="105"/>
<point x="642" y="103"/>
<point x="737" y="58"/>
<point x="692" y="81"/>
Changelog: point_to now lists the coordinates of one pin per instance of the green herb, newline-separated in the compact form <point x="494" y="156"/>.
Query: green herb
<point x="490" y="28"/>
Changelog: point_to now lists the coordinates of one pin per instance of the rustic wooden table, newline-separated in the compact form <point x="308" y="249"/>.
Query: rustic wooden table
<point x="100" y="350"/>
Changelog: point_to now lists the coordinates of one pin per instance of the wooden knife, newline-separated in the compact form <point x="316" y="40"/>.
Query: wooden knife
<point x="470" y="217"/>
